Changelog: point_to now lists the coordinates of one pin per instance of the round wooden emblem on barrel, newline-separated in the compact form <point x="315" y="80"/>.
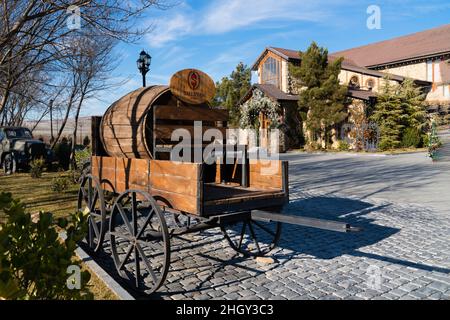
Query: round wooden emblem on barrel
<point x="192" y="86"/>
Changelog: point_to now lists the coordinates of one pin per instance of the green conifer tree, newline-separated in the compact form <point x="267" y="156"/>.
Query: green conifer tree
<point x="231" y="89"/>
<point x="390" y="116"/>
<point x="413" y="105"/>
<point x="322" y="99"/>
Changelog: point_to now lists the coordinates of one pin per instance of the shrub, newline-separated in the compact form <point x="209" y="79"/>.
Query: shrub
<point x="343" y="145"/>
<point x="60" y="183"/>
<point x="34" y="262"/>
<point x="312" y="146"/>
<point x="74" y="176"/>
<point x="82" y="164"/>
<point x="411" y="138"/>
<point x="62" y="152"/>
<point x="36" y="168"/>
<point x="425" y="140"/>
<point x="86" y="141"/>
<point x="82" y="157"/>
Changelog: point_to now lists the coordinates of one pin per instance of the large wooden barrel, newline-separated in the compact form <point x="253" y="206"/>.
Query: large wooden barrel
<point x="140" y="125"/>
<point x="123" y="128"/>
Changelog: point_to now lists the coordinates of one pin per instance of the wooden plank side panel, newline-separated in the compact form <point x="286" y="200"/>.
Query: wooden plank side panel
<point x="175" y="184"/>
<point x="266" y="175"/>
<point x="104" y="169"/>
<point x="173" y="168"/>
<point x="132" y="173"/>
<point x="266" y="182"/>
<point x="190" y="113"/>
<point x="178" y="183"/>
<point x="267" y="167"/>
<point x="178" y="201"/>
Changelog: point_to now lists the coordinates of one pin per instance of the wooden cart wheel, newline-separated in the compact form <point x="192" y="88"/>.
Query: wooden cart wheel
<point x="91" y="201"/>
<point x="140" y="242"/>
<point x="252" y="238"/>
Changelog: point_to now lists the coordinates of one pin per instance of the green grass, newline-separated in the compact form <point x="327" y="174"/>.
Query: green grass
<point x="37" y="195"/>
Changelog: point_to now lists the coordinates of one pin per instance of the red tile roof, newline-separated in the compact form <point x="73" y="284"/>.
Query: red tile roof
<point x="290" y="54"/>
<point x="418" y="45"/>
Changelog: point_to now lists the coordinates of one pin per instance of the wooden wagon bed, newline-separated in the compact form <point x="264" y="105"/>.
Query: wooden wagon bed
<point x="195" y="188"/>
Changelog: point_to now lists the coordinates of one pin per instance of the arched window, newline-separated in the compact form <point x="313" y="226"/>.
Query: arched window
<point x="370" y="84"/>
<point x="354" y="82"/>
<point x="271" y="72"/>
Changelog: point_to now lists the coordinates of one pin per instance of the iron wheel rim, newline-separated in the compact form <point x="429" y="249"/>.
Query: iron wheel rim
<point x="138" y="238"/>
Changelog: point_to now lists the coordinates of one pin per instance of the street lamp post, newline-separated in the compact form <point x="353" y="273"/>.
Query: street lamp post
<point x="143" y="64"/>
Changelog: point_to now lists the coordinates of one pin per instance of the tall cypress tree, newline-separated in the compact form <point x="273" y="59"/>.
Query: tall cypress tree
<point x="322" y="98"/>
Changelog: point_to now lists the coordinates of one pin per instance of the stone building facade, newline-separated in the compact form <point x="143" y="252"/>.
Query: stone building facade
<point x="423" y="57"/>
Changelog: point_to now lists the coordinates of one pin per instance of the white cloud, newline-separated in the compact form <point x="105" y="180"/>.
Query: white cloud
<point x="222" y="16"/>
<point x="228" y="15"/>
<point x="169" y="29"/>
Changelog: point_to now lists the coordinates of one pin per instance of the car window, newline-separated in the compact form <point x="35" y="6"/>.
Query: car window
<point x="18" y="133"/>
<point x="27" y="133"/>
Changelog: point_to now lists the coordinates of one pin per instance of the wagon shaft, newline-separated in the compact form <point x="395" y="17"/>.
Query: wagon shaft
<point x="260" y="215"/>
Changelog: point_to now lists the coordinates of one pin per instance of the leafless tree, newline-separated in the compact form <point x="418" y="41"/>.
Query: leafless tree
<point x="35" y="51"/>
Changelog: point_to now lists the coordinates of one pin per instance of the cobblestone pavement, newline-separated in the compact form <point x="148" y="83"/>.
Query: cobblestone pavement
<point x="403" y="253"/>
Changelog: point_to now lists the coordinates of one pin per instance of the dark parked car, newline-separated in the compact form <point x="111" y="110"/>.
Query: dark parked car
<point x="18" y="149"/>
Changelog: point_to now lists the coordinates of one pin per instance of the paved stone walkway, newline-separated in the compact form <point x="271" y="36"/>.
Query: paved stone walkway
<point x="403" y="252"/>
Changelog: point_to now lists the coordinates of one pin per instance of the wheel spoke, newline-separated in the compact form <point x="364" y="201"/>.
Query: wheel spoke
<point x="89" y="193"/>
<point x="94" y="201"/>
<point x="91" y="236"/>
<point x="134" y="214"/>
<point x="149" y="218"/>
<point x="95" y="228"/>
<point x="83" y="192"/>
<point x="146" y="262"/>
<point x="150" y="248"/>
<point x="125" y="218"/>
<point x="254" y="237"/>
<point x="264" y="228"/>
<point x="127" y="256"/>
<point x="244" y="226"/>
<point x="137" y="266"/>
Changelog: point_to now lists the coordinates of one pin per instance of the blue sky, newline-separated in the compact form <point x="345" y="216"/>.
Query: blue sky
<point x="216" y="35"/>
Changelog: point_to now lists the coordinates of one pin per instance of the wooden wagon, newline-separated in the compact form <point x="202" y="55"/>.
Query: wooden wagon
<point x="138" y="197"/>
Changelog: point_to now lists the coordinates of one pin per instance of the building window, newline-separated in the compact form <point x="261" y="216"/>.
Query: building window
<point x="370" y="84"/>
<point x="430" y="77"/>
<point x="354" y="82"/>
<point x="271" y="72"/>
